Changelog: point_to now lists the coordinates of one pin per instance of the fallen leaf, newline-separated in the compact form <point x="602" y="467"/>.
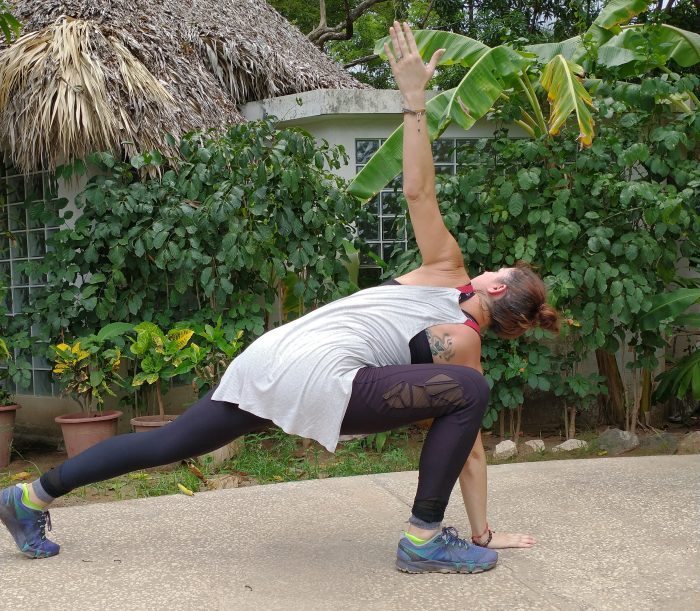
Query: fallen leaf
<point x="196" y="472"/>
<point x="225" y="481"/>
<point x="18" y="477"/>
<point x="185" y="490"/>
<point x="602" y="453"/>
<point x="140" y="475"/>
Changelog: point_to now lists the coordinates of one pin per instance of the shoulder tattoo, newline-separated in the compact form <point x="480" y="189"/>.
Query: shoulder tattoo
<point x="441" y="345"/>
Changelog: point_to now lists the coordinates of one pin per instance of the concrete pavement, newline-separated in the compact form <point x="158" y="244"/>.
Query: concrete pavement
<point x="618" y="533"/>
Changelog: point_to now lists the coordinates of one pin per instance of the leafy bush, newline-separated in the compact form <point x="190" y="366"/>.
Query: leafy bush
<point x="215" y="233"/>
<point x="606" y="226"/>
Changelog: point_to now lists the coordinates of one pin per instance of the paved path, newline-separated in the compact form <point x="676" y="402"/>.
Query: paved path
<point x="619" y="533"/>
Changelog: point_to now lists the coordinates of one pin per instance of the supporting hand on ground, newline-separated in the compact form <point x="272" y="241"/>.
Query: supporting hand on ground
<point x="505" y="540"/>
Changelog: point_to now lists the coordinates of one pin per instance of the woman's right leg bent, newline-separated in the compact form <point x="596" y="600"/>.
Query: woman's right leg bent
<point x="384" y="398"/>
<point x="205" y="426"/>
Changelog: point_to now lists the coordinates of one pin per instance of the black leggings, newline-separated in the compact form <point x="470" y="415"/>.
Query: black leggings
<point x="382" y="398"/>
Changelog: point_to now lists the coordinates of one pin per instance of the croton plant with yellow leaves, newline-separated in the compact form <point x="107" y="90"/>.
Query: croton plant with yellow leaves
<point x="161" y="356"/>
<point x="88" y="368"/>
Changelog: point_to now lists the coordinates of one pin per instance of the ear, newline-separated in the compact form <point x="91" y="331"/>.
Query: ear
<point x="497" y="290"/>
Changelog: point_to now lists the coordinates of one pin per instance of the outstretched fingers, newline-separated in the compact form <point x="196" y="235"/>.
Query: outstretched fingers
<point x="434" y="60"/>
<point x="389" y="55"/>
<point x="397" y="40"/>
<point x="505" y="540"/>
<point x="410" y="38"/>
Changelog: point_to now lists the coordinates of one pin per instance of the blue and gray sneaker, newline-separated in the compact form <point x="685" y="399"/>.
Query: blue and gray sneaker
<point x="27" y="526"/>
<point x="444" y="553"/>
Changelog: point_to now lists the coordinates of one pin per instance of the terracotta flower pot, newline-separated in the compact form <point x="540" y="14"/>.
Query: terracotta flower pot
<point x="7" y="427"/>
<point x="143" y="424"/>
<point x="81" y="431"/>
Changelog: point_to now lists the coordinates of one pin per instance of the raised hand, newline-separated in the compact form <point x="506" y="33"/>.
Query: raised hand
<point x="410" y="73"/>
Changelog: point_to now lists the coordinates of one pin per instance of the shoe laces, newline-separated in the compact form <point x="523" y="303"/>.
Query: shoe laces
<point x="44" y="524"/>
<point x="451" y="537"/>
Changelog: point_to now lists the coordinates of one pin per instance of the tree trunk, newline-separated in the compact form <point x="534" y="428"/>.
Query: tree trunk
<point x="159" y="397"/>
<point x="636" y="400"/>
<point x="511" y="428"/>
<point x="566" y="421"/>
<point x="614" y="403"/>
<point x="502" y="424"/>
<point x="572" y="423"/>
<point x="322" y="22"/>
<point x="645" y="401"/>
<point x="518" y="422"/>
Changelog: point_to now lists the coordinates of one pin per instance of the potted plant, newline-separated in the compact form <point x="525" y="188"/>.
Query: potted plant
<point x="212" y="355"/>
<point x="8" y="405"/>
<point x="160" y="357"/>
<point x="87" y="370"/>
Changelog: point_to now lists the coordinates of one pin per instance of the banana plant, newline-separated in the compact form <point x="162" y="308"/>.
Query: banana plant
<point x="503" y="73"/>
<point x="671" y="308"/>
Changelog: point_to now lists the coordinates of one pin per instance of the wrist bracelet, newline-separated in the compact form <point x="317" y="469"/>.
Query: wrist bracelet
<point x="417" y="113"/>
<point x="475" y="537"/>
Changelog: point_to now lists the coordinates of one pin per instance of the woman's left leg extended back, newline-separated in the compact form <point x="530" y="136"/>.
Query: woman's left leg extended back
<point x="384" y="398"/>
<point x="205" y="426"/>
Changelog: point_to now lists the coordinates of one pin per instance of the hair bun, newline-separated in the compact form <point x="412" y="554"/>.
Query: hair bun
<point x="548" y="318"/>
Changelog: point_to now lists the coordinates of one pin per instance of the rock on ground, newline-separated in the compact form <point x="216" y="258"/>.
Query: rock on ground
<point x="569" y="445"/>
<point x="224" y="453"/>
<point x="690" y="444"/>
<point x="615" y="441"/>
<point x="662" y="442"/>
<point x="532" y="446"/>
<point x="505" y="449"/>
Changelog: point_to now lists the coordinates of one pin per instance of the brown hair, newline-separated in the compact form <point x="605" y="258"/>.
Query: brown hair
<point x="523" y="306"/>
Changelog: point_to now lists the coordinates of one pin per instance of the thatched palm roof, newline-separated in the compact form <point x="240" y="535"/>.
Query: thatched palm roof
<point x="117" y="75"/>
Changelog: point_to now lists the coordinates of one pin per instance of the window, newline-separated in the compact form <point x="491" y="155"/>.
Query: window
<point x="385" y="231"/>
<point x="22" y="239"/>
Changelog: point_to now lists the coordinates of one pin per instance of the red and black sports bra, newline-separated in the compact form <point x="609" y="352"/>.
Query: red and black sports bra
<point x="419" y="345"/>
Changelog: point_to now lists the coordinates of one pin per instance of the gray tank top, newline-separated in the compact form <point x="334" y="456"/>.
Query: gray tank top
<point x="300" y="375"/>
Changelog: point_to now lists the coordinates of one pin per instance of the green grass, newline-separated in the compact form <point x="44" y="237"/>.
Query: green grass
<point x="277" y="457"/>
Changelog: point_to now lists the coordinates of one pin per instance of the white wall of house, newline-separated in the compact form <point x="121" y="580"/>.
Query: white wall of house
<point x="342" y="116"/>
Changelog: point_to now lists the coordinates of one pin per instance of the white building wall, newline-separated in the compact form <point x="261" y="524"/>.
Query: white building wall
<point x="342" y="116"/>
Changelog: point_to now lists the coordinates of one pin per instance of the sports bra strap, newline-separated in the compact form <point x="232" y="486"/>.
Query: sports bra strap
<point x="467" y="292"/>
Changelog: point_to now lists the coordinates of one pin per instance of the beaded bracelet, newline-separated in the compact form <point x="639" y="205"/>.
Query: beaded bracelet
<point x="475" y="537"/>
<point x="416" y="113"/>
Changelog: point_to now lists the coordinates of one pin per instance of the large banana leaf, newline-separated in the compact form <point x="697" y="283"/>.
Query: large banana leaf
<point x="673" y="43"/>
<point x="618" y="12"/>
<point x="571" y="49"/>
<point x="667" y="306"/>
<point x="684" y="376"/>
<point x="605" y="26"/>
<point x="476" y="93"/>
<point x="458" y="49"/>
<point x="468" y="102"/>
<point x="387" y="162"/>
<point x="560" y="79"/>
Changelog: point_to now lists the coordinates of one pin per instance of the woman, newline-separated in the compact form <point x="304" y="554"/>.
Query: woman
<point x="379" y="359"/>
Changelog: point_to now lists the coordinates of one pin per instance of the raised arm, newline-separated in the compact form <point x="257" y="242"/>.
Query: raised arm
<point x="437" y="246"/>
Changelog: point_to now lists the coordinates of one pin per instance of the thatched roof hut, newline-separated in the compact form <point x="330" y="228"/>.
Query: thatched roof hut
<point x="117" y="75"/>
